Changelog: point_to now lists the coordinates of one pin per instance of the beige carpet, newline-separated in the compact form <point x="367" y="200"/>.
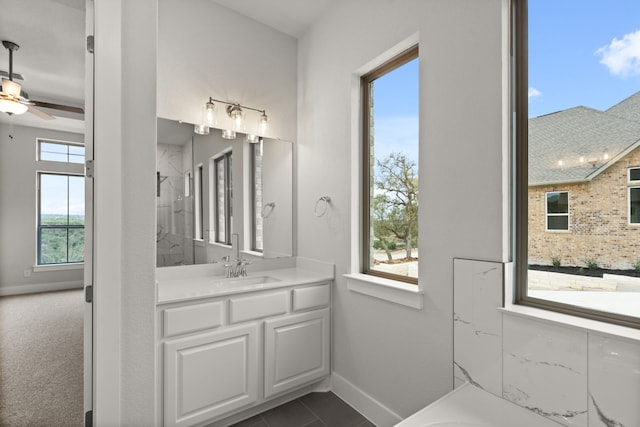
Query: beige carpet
<point x="41" y="354"/>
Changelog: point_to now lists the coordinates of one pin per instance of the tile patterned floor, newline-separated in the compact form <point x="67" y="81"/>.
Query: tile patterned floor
<point x="312" y="410"/>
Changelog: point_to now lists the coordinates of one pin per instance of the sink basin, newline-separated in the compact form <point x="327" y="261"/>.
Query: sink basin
<point x="246" y="281"/>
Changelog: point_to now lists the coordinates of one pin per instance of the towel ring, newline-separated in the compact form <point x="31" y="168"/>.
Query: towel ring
<point x="323" y="203"/>
<point x="268" y="209"/>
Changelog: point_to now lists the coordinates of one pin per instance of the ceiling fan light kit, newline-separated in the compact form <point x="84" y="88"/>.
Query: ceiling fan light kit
<point x="13" y="100"/>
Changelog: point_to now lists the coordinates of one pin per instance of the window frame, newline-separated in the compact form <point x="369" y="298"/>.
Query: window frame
<point x="255" y="211"/>
<point x="547" y="214"/>
<point x="198" y="210"/>
<point x="519" y="50"/>
<point x="40" y="226"/>
<point x="365" y="217"/>
<point x="633" y="187"/>
<point x="226" y="159"/>
<point x="68" y="144"/>
<point x="629" y="180"/>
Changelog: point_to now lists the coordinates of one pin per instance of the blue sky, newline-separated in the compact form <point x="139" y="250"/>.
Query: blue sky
<point x="582" y="53"/>
<point x="396" y="101"/>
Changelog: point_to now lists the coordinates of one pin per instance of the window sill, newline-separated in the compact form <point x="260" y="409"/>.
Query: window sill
<point x="386" y="289"/>
<point x="253" y="253"/>
<point x="574" y="322"/>
<point x="199" y="242"/>
<point x="58" y="267"/>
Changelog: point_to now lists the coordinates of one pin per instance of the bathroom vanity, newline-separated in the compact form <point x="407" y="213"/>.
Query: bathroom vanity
<point x="228" y="345"/>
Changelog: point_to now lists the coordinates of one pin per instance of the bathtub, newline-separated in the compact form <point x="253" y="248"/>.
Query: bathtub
<point x="470" y="406"/>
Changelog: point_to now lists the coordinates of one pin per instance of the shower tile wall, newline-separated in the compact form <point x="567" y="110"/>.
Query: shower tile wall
<point x="573" y="376"/>
<point x="174" y="231"/>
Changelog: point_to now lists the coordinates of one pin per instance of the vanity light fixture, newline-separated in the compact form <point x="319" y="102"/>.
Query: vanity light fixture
<point x="253" y="139"/>
<point x="209" y="114"/>
<point x="201" y="129"/>
<point x="236" y="112"/>
<point x="228" y="134"/>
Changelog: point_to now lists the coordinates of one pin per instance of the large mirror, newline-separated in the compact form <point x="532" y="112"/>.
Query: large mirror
<point x="210" y="188"/>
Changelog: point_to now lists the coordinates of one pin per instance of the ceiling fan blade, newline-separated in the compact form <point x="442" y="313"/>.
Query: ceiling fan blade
<point x="41" y="114"/>
<point x="57" y="106"/>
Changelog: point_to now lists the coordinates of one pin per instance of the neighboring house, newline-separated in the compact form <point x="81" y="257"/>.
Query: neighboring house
<point x="584" y="186"/>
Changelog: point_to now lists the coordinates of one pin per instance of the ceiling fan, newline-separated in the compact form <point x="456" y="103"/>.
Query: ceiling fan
<point x="13" y="100"/>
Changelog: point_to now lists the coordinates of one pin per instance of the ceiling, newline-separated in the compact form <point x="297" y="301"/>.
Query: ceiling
<point x="51" y="36"/>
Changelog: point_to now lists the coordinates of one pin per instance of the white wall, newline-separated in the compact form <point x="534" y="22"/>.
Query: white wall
<point x="18" y="212"/>
<point x="402" y="357"/>
<point x="206" y="50"/>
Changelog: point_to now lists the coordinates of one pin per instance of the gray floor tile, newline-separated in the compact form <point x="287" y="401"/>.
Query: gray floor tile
<point x="333" y="411"/>
<point x="292" y="414"/>
<point x="255" y="421"/>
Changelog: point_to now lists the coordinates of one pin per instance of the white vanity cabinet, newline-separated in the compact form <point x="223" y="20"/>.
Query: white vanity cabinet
<point x="225" y="354"/>
<point x="210" y="374"/>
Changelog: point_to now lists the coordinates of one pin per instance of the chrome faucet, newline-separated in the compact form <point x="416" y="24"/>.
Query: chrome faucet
<point x="236" y="266"/>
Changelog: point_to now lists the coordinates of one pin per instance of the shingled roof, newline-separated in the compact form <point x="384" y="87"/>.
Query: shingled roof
<point x="579" y="143"/>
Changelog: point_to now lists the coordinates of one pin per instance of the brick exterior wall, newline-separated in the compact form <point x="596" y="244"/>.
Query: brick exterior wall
<point x="598" y="222"/>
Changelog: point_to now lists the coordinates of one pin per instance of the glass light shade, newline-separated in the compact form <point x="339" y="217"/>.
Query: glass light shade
<point x="12" y="107"/>
<point x="253" y="139"/>
<point x="209" y="114"/>
<point x="11" y="88"/>
<point x="228" y="134"/>
<point x="263" y="123"/>
<point x="201" y="129"/>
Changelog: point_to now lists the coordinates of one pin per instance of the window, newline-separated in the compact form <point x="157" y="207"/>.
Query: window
<point x="576" y="127"/>
<point x="198" y="208"/>
<point x="59" y="151"/>
<point x="223" y="198"/>
<point x="60" y="218"/>
<point x="558" y="211"/>
<point x="634" y="205"/>
<point x="256" y="197"/>
<point x="390" y="169"/>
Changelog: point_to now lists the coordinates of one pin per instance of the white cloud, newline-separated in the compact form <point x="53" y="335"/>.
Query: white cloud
<point x="534" y="93"/>
<point x="622" y="56"/>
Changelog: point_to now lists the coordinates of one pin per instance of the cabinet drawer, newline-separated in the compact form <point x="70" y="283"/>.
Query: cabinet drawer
<point x="258" y="306"/>
<point x="311" y="297"/>
<point x="192" y="318"/>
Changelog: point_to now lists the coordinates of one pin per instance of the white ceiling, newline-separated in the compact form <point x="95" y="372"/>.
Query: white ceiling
<point x="51" y="36"/>
<point x="291" y="17"/>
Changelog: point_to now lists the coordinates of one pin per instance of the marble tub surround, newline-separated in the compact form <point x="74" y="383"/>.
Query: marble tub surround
<point x="478" y="324"/>
<point x="207" y="280"/>
<point x="574" y="376"/>
<point x="613" y="365"/>
<point x="545" y="369"/>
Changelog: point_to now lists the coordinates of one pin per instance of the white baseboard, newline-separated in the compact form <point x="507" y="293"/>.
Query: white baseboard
<point x="373" y="410"/>
<point x="40" y="287"/>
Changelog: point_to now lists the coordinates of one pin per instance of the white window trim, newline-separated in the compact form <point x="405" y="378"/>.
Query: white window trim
<point x="629" y="180"/>
<point x="547" y="214"/>
<point x="77" y="170"/>
<point x="58" y="267"/>
<point x="632" y="224"/>
<point x="394" y="291"/>
<point x="56" y="141"/>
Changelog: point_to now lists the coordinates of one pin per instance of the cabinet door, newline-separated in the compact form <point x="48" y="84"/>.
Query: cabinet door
<point x="207" y="375"/>
<point x="296" y="350"/>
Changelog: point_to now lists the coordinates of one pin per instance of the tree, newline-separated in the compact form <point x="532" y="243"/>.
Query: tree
<point x="396" y="201"/>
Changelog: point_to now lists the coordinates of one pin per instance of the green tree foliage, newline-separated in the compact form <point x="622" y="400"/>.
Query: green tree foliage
<point x="395" y="206"/>
<point x="59" y="244"/>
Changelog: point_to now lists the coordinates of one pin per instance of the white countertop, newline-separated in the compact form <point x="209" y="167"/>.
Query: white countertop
<point x="177" y="289"/>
